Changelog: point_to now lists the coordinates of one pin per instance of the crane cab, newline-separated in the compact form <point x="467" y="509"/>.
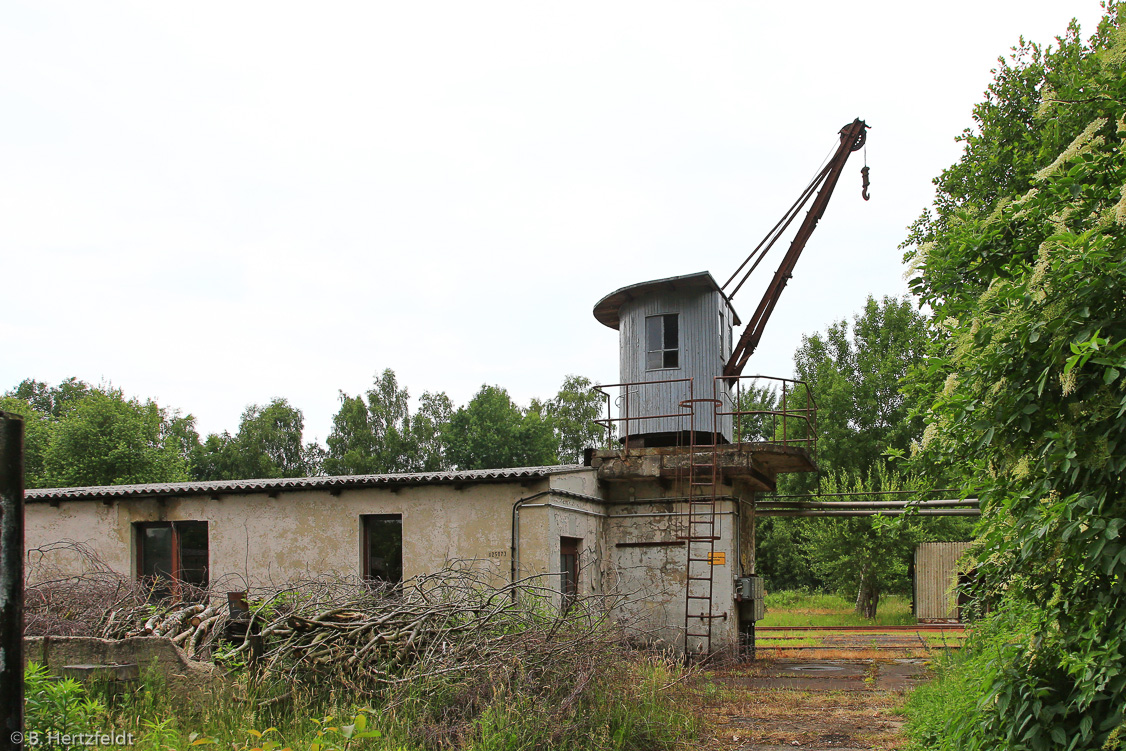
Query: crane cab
<point x="675" y="338"/>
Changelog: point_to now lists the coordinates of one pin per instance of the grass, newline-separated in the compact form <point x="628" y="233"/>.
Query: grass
<point x="632" y="704"/>
<point x="793" y="608"/>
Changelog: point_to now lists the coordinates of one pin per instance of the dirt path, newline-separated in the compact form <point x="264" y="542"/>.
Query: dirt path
<point x="807" y="704"/>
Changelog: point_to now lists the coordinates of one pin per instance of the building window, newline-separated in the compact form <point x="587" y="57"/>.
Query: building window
<point x="383" y="547"/>
<point x="722" y="338"/>
<point x="569" y="568"/>
<point x="662" y="341"/>
<point x="172" y="553"/>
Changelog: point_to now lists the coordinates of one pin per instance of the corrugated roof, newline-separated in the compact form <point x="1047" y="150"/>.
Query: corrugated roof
<point x="607" y="310"/>
<point x="339" y="482"/>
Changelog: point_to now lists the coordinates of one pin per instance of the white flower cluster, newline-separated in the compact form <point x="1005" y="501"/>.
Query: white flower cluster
<point x="1085" y="141"/>
<point x="1120" y="208"/>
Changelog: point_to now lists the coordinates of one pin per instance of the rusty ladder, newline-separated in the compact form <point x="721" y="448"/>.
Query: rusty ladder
<point x="701" y="532"/>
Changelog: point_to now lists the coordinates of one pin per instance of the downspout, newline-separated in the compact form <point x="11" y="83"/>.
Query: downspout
<point x="515" y="537"/>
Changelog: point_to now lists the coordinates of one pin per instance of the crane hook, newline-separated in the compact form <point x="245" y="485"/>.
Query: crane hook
<point x="864" y="187"/>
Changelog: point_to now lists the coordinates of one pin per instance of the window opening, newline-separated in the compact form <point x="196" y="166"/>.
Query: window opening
<point x="722" y="338"/>
<point x="662" y="341"/>
<point x="172" y="553"/>
<point x="383" y="547"/>
<point x="569" y="568"/>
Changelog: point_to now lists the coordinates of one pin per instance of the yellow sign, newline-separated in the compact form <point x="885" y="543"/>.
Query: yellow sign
<point x="717" y="559"/>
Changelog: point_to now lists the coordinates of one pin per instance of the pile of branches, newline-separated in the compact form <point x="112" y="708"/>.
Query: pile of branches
<point x="103" y="603"/>
<point x="453" y="621"/>
<point x="357" y="632"/>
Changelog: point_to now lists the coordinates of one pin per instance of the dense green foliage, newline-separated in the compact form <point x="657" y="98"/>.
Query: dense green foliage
<point x="855" y="373"/>
<point x="381" y="435"/>
<point x="58" y="705"/>
<point x="76" y="435"/>
<point x="491" y="431"/>
<point x="572" y="413"/>
<point x="1022" y="262"/>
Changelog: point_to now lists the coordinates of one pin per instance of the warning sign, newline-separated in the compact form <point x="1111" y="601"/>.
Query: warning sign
<point x="717" y="559"/>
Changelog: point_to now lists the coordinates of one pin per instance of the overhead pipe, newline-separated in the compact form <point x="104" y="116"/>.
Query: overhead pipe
<point x="799" y="505"/>
<point x="871" y="512"/>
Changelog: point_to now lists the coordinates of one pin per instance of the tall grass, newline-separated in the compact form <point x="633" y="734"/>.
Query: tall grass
<point x="628" y="702"/>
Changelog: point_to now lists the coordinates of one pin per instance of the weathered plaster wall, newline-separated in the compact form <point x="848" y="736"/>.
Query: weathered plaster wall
<point x="258" y="540"/>
<point x="655" y="575"/>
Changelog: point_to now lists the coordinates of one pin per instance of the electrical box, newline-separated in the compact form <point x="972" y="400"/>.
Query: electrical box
<point x="752" y="610"/>
<point x="749" y="593"/>
<point x="749" y="588"/>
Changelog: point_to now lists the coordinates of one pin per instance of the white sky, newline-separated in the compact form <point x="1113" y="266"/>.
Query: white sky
<point x="213" y="204"/>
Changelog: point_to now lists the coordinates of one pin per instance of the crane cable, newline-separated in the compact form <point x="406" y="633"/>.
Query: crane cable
<point x="776" y="231"/>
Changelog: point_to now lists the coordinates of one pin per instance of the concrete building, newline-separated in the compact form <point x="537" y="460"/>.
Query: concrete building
<point x="667" y="517"/>
<point x="614" y="526"/>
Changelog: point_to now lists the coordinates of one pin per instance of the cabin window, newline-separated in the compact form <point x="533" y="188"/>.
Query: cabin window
<point x="383" y="547"/>
<point x="722" y="338"/>
<point x="569" y="569"/>
<point x="662" y="341"/>
<point x="172" y="553"/>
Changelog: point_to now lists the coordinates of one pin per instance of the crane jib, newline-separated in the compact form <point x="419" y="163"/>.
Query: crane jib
<point x="853" y="137"/>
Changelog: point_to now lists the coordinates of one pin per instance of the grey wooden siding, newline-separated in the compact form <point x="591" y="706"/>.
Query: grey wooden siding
<point x="704" y="348"/>
<point x="936" y="575"/>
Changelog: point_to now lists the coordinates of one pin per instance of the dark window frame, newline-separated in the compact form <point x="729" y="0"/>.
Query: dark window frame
<point x="176" y="577"/>
<point x="662" y="341"/>
<point x="366" y="527"/>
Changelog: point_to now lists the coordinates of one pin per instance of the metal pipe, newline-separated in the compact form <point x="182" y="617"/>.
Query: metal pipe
<point x="564" y="508"/>
<point x="798" y="506"/>
<point x="514" y="554"/>
<point x="807" y="496"/>
<point x="663" y="513"/>
<point x="873" y="512"/>
<point x="11" y="579"/>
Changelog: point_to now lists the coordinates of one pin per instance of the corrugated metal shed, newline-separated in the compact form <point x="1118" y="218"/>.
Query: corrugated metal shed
<point x="936" y="576"/>
<point x="704" y="321"/>
<point x="339" y="482"/>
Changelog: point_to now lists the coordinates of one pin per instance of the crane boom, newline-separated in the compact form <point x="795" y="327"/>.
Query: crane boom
<point x="853" y="136"/>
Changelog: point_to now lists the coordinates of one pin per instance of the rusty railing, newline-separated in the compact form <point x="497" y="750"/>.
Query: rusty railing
<point x="792" y="421"/>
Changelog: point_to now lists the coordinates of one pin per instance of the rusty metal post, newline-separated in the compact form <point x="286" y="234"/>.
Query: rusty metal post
<point x="11" y="580"/>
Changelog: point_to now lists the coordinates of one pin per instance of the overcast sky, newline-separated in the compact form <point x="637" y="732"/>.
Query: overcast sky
<point x="213" y="204"/>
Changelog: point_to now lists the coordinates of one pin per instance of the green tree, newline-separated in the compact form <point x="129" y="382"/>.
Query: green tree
<point x="268" y="443"/>
<point x="214" y="458"/>
<point x="855" y="375"/>
<point x="866" y="556"/>
<point x="106" y="439"/>
<point x="761" y="399"/>
<point x="1023" y="264"/>
<point x="572" y="413"/>
<point x="50" y="401"/>
<point x="36" y="438"/>
<point x="376" y="433"/>
<point x="492" y="432"/>
<point x="434" y="413"/>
